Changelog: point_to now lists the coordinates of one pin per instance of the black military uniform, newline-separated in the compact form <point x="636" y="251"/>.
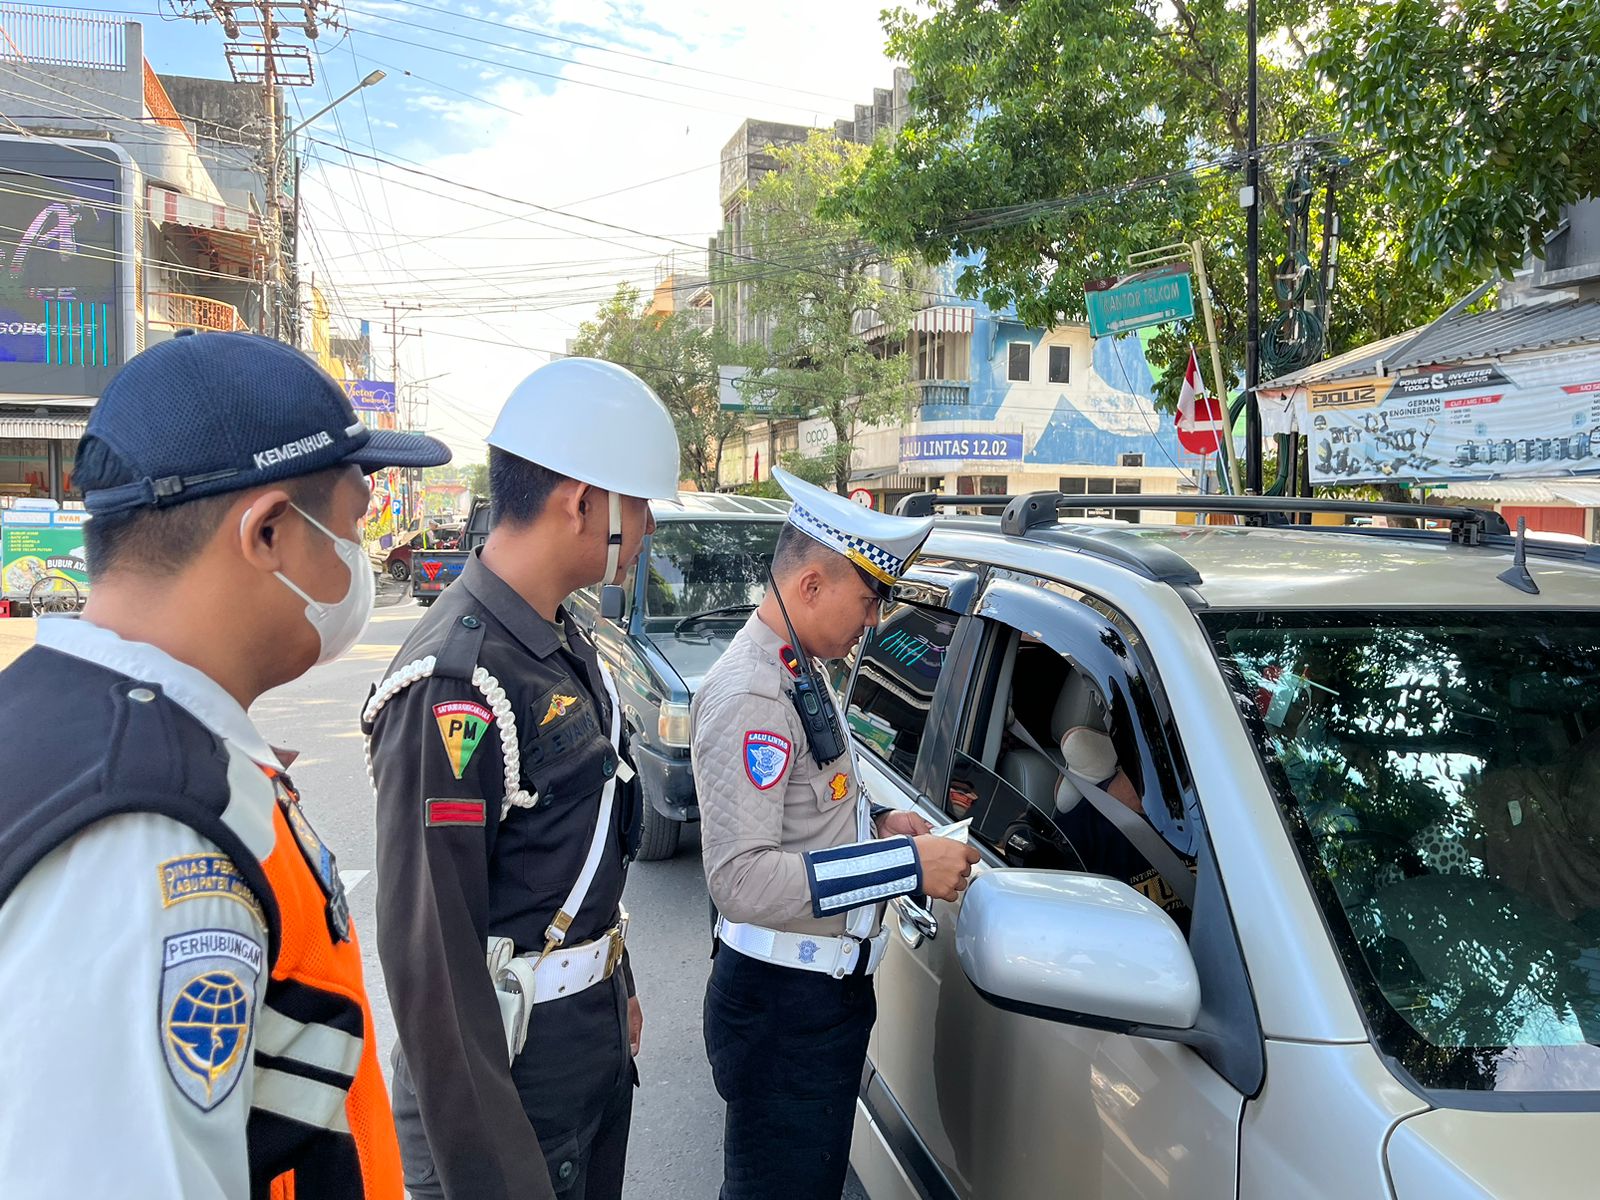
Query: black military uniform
<point x="488" y="699"/>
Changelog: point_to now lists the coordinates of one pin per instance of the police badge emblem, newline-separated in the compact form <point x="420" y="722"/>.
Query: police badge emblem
<point x="766" y="756"/>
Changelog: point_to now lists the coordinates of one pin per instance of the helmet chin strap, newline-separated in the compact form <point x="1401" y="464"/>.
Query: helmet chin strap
<point x="614" y="544"/>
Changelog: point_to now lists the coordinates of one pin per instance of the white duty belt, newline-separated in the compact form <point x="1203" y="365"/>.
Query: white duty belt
<point x="836" y="956"/>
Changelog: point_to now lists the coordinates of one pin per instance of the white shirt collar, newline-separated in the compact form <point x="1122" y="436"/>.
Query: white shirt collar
<point x="205" y="699"/>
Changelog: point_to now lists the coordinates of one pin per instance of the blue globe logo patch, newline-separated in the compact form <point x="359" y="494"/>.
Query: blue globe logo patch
<point x="207" y="1029"/>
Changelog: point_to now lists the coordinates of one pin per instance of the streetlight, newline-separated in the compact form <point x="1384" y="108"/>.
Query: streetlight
<point x="374" y="77"/>
<point x="274" y="158"/>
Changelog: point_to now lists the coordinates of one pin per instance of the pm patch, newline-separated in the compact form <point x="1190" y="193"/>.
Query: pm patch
<point x="207" y="1011"/>
<point x="766" y="757"/>
<point x="195" y="876"/>
<point x="839" y="786"/>
<point x="462" y="725"/>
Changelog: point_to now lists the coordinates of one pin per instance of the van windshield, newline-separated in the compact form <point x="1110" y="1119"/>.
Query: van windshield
<point x="701" y="566"/>
<point x="1441" y="772"/>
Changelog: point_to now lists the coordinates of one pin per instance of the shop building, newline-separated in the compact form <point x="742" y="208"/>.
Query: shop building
<point x="114" y="232"/>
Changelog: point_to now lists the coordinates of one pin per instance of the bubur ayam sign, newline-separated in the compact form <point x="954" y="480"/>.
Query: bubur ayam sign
<point x="1537" y="417"/>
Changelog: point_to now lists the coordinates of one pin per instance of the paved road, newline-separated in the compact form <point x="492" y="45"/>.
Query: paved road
<point x="676" y="1150"/>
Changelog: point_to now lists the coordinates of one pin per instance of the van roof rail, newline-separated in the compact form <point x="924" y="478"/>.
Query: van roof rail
<point x="1468" y="526"/>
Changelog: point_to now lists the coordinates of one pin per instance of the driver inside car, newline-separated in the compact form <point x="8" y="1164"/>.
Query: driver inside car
<point x="1104" y="850"/>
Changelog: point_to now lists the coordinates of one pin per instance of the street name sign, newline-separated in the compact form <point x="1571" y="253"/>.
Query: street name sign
<point x="1135" y="303"/>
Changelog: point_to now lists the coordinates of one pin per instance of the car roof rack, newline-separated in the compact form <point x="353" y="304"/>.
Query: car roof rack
<point x="1156" y="562"/>
<point x="1468" y="526"/>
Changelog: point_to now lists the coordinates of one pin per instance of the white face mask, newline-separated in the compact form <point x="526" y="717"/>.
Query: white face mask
<point x="340" y="624"/>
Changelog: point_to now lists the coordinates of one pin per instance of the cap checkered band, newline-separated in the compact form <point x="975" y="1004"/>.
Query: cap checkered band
<point x="808" y="522"/>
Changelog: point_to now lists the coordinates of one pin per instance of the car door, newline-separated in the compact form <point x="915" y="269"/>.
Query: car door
<point x="989" y="1103"/>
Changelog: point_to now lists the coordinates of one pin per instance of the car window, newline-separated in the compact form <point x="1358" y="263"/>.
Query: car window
<point x="1441" y="773"/>
<point x="893" y="693"/>
<point x="1028" y="702"/>
<point x="700" y="566"/>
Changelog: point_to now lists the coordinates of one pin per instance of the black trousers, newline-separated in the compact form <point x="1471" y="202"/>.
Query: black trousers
<point x="787" y="1050"/>
<point x="575" y="1077"/>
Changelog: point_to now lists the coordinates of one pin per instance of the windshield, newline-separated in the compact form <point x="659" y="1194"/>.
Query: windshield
<point x="701" y="565"/>
<point x="1442" y="774"/>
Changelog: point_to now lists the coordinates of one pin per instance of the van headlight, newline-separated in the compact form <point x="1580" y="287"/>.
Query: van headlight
<point x="673" y="725"/>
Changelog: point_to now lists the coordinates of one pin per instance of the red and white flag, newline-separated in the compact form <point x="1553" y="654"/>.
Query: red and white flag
<point x="1193" y="385"/>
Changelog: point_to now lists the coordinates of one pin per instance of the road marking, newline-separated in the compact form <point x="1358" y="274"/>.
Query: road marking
<point x="351" y="878"/>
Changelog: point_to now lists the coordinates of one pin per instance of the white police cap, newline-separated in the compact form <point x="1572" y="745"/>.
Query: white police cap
<point x="881" y="544"/>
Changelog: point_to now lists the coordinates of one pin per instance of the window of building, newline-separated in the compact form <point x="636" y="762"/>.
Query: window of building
<point x="24" y="468"/>
<point x="1060" y="364"/>
<point x="1079" y="485"/>
<point x="893" y="691"/>
<point x="941" y="355"/>
<point x="1021" y="360"/>
<point x="980" y="485"/>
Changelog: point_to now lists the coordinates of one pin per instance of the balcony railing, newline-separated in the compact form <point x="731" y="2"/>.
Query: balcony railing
<point x="943" y="391"/>
<point x="181" y="311"/>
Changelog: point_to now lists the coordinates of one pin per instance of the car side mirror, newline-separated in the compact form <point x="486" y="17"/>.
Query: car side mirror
<point x="1080" y="949"/>
<point x="612" y="601"/>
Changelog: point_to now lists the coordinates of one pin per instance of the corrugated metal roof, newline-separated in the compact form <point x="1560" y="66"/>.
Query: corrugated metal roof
<point x="61" y="428"/>
<point x="1584" y="493"/>
<point x="1462" y="339"/>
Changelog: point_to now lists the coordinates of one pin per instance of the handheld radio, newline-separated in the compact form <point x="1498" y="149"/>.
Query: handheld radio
<point x="818" y="717"/>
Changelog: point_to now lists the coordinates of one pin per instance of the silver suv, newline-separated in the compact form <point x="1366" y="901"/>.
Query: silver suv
<point x="1363" y="960"/>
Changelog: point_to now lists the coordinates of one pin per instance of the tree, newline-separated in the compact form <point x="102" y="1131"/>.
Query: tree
<point x="1483" y="117"/>
<point x="476" y="477"/>
<point x="1050" y="139"/>
<point x="678" y="359"/>
<point x="821" y="286"/>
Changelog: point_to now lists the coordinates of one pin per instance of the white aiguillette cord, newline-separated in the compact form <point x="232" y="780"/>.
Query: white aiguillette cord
<point x="556" y="934"/>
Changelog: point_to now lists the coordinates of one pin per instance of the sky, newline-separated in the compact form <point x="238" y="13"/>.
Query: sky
<point x="534" y="154"/>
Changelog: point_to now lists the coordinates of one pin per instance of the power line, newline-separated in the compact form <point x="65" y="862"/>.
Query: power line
<point x="556" y="37"/>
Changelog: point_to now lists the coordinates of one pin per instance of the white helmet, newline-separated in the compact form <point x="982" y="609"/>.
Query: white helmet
<point x="594" y="422"/>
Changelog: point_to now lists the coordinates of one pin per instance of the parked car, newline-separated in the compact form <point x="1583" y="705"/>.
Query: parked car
<point x="700" y="575"/>
<point x="1380" y="749"/>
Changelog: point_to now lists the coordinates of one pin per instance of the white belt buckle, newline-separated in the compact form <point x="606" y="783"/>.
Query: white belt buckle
<point x="844" y="957"/>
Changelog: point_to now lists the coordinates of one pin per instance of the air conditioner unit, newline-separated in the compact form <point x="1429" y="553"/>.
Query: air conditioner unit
<point x="1130" y="460"/>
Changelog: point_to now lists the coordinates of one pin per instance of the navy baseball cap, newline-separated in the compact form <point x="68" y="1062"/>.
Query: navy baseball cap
<point x="209" y="413"/>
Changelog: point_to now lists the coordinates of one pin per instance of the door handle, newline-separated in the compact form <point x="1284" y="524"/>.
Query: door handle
<point x="916" y="923"/>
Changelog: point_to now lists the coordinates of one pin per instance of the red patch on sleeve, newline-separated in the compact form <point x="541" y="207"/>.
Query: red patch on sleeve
<point x="454" y="812"/>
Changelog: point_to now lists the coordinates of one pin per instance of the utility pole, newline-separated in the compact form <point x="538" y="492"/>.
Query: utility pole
<point x="273" y="63"/>
<point x="396" y="333"/>
<point x="1252" y="303"/>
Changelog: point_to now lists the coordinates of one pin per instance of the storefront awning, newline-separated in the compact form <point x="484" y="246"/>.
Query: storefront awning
<point x="60" y="428"/>
<point x="946" y="318"/>
<point x="168" y="207"/>
<point x="1585" y="493"/>
<point x="233" y="233"/>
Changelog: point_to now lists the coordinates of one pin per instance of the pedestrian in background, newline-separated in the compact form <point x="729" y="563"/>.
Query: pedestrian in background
<point x="182" y="1010"/>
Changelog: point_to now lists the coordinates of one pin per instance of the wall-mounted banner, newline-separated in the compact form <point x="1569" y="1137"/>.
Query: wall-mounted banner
<point x="1539" y="416"/>
<point x="368" y="395"/>
<point x="961" y="447"/>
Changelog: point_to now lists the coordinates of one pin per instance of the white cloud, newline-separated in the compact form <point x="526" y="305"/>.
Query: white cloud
<point x="563" y="146"/>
